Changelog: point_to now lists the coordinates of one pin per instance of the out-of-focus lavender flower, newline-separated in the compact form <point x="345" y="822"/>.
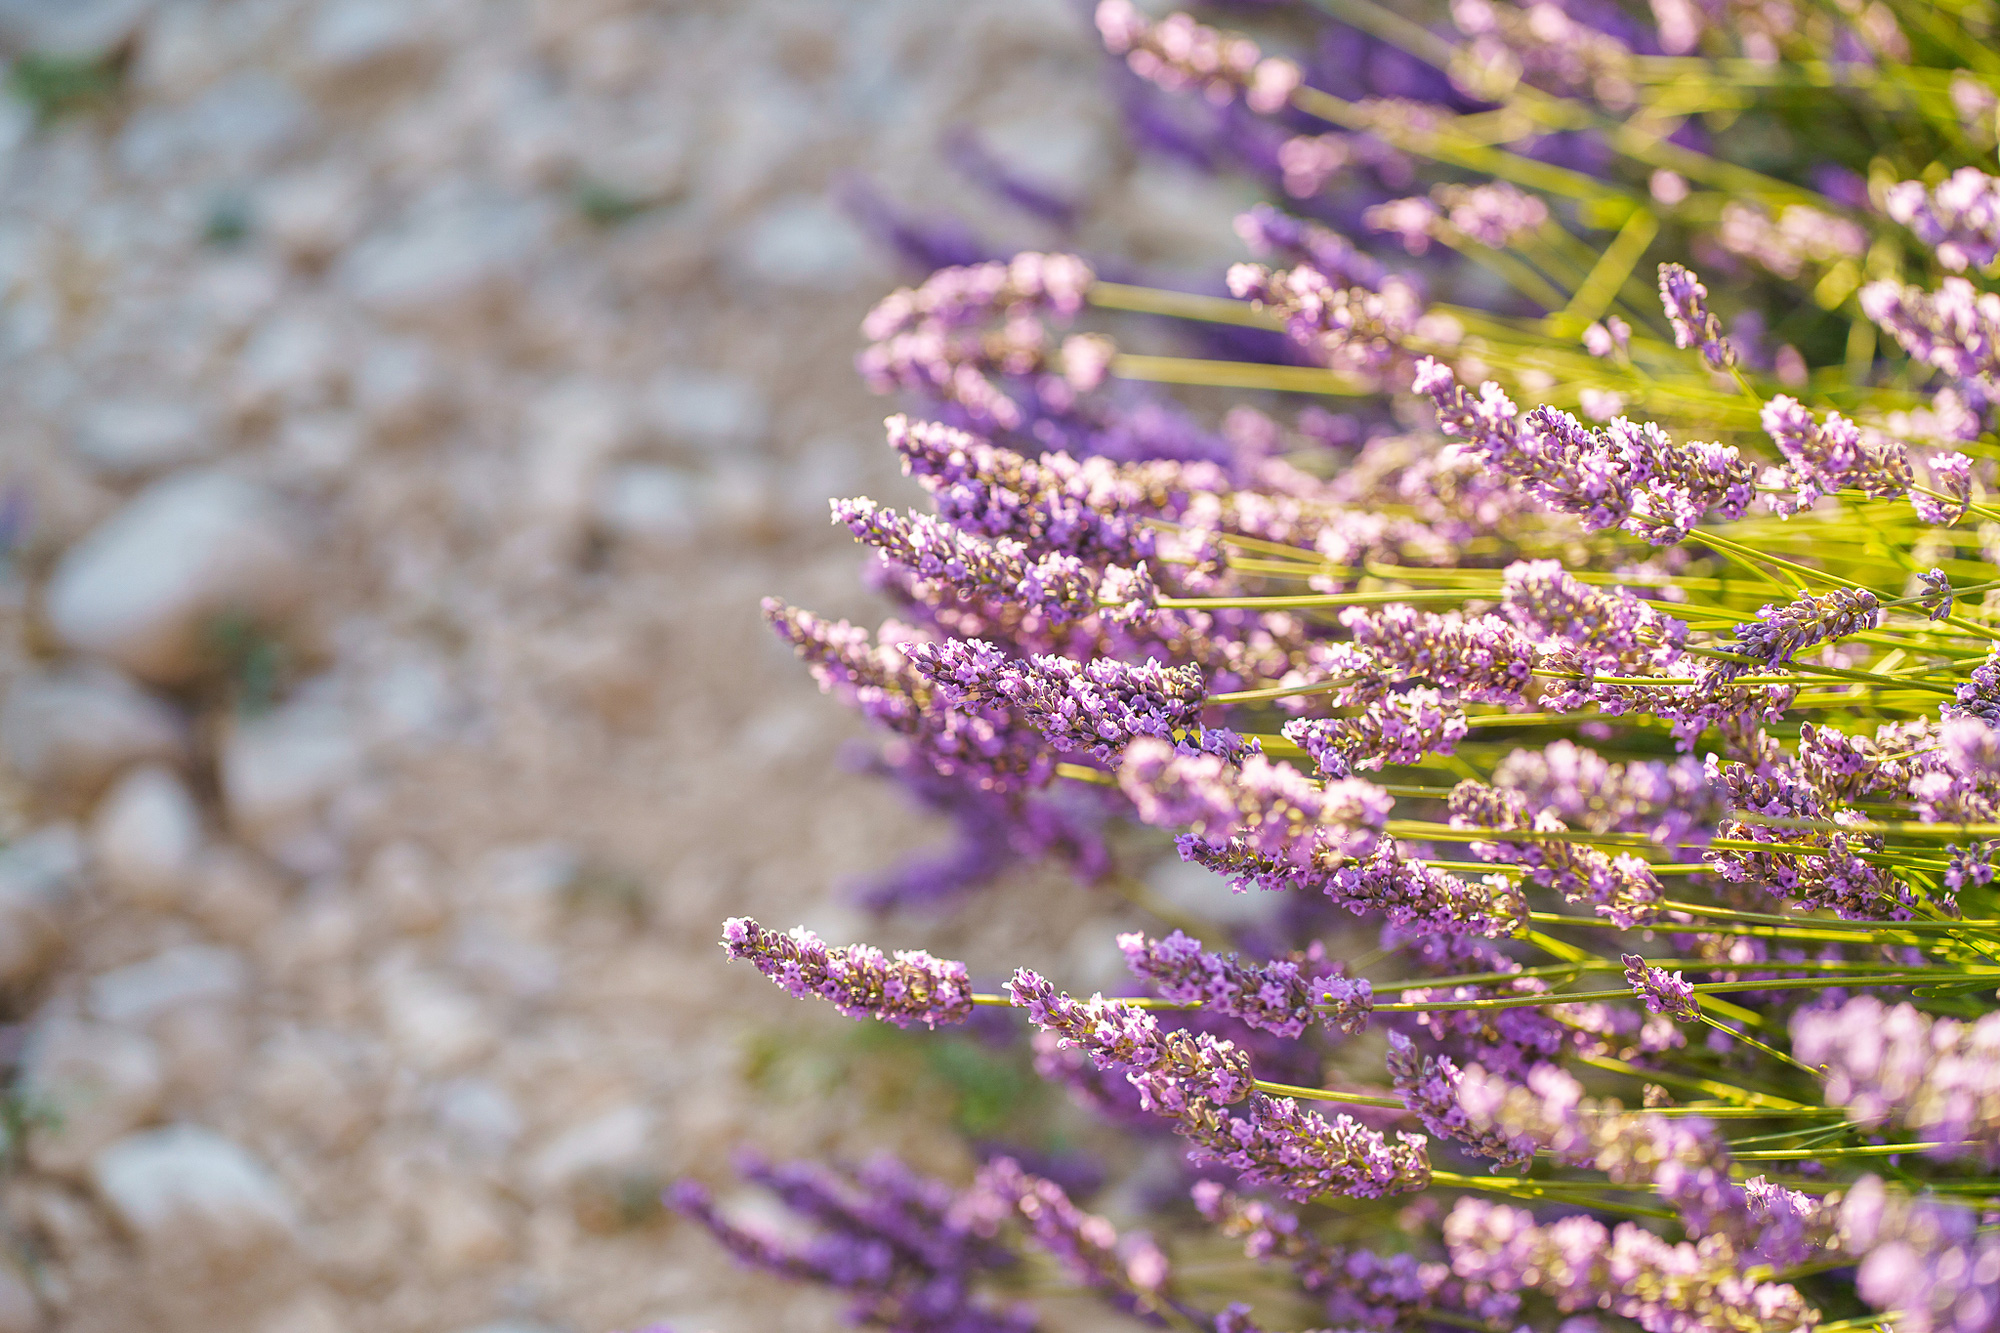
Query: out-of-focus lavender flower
<point x="1695" y="325"/>
<point x="1357" y="328"/>
<point x="1951" y="478"/>
<point x="1413" y="222"/>
<point x="1540" y="44"/>
<point x="1268" y="233"/>
<point x="1628" y="1271"/>
<point x="1956" y="328"/>
<point x="1301" y="1154"/>
<point x="1396" y="728"/>
<point x="1801" y="235"/>
<point x="1610" y="337"/>
<point x="905" y="1249"/>
<point x="1827" y="456"/>
<point x="1781" y="633"/>
<point x="1131" y="1269"/>
<point x="1927" y="1260"/>
<point x="1172" y="1069"/>
<point x="859" y="980"/>
<point x="1894" y="1067"/>
<point x="1617" y="630"/>
<point x="1177" y="53"/>
<point x="1430" y="1086"/>
<point x="1671" y="802"/>
<point x="1493" y="214"/>
<point x="1831" y="874"/>
<point x="1663" y="993"/>
<point x="1960" y="219"/>
<point x="1273" y="996"/>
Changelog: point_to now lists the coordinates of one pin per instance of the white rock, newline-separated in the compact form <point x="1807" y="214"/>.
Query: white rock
<point x="245" y="122"/>
<point x="804" y="241"/>
<point x="38" y="873"/>
<point x="129" y="437"/>
<point x="608" y="1142"/>
<point x="651" y="503"/>
<point x="523" y="884"/>
<point x="349" y="36"/>
<point x="573" y="429"/>
<point x="313" y="214"/>
<point x="479" y="1117"/>
<point x="711" y="410"/>
<point x="404" y="883"/>
<point x="313" y="1081"/>
<point x="145" y="589"/>
<point x="400" y="386"/>
<point x="72" y="730"/>
<point x="449" y="267"/>
<point x="281" y="768"/>
<point x="100" y="1082"/>
<point x="187" y="1189"/>
<point x="146" y="837"/>
<point x="462" y="1226"/>
<point x="140" y="992"/>
<point x="433" y="1024"/>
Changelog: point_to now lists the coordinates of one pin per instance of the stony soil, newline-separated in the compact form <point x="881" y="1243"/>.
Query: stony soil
<point x="405" y="404"/>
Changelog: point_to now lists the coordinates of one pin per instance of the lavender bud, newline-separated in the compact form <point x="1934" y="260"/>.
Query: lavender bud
<point x="1780" y="633"/>
<point x="1663" y="994"/>
<point x="1937" y="595"/>
<point x="1686" y="303"/>
<point x="1960" y="219"/>
<point x="1273" y="997"/>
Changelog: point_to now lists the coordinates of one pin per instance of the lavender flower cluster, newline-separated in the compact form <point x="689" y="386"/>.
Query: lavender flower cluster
<point x="1648" y="974"/>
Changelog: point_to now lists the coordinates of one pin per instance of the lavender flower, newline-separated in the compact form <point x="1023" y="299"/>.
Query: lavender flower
<point x="1662" y="993"/>
<point x="1097" y="707"/>
<point x="1430" y="1086"/>
<point x="1056" y="585"/>
<point x="1266" y="232"/>
<point x="1274" y="997"/>
<point x="1801" y="235"/>
<point x="1172" y="1070"/>
<point x="1303" y="1155"/>
<point x="1130" y="1269"/>
<point x="1413" y="222"/>
<point x="1622" y="888"/>
<point x="1671" y="802"/>
<point x="1277" y="810"/>
<point x="1781" y="633"/>
<point x="1178" y="53"/>
<point x="1617" y="630"/>
<point x="1937" y="1078"/>
<point x="1356" y="328"/>
<point x="1628" y="1271"/>
<point x="1831" y="874"/>
<point x="1479" y="658"/>
<point x="1926" y="1259"/>
<point x="1956" y="328"/>
<point x="1396" y="728"/>
<point x="1609" y="337"/>
<point x="1493" y="214"/>
<point x="911" y="987"/>
<point x="1951" y="475"/>
<point x="1544" y="46"/>
<point x="1628" y="474"/>
<point x="1825" y="457"/>
<point x="1959" y="220"/>
<point x="1686" y="303"/>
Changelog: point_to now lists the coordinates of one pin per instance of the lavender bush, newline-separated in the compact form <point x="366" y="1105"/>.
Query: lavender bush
<point x="1606" y="682"/>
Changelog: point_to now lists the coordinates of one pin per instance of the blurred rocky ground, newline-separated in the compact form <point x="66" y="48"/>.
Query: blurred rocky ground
<point x="403" y="406"/>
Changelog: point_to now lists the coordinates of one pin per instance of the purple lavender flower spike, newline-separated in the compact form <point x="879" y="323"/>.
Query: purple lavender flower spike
<point x="1493" y="214"/>
<point x="1826" y="456"/>
<point x="1277" y="811"/>
<point x="1344" y="1002"/>
<point x="1622" y="888"/>
<point x="1266" y="232"/>
<point x="911" y="987"/>
<point x="1662" y="993"/>
<point x="1959" y="220"/>
<point x="1686" y="303"/>
<point x="1274" y="997"/>
<point x="1951" y="476"/>
<point x="1350" y="328"/>
<point x="1396" y="728"/>
<point x="1481" y="658"/>
<point x="1130" y="1269"/>
<point x="1173" y="1070"/>
<point x="1617" y="630"/>
<point x="1303" y="1155"/>
<point x="1429" y="1085"/>
<point x="1801" y="235"/>
<point x="1937" y="594"/>
<point x="1781" y="633"/>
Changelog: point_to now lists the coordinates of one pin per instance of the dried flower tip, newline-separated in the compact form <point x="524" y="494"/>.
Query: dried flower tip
<point x="1686" y="303"/>
<point x="860" y="981"/>
<point x="1662" y="993"/>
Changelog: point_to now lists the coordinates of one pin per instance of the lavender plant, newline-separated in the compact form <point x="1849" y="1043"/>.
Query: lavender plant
<point x="1607" y="693"/>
